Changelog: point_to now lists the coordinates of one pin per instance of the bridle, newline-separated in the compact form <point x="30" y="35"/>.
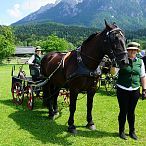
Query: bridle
<point x="112" y="38"/>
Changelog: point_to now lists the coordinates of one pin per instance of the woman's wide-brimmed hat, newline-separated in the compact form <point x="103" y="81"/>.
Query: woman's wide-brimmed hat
<point x="133" y="46"/>
<point x="38" y="48"/>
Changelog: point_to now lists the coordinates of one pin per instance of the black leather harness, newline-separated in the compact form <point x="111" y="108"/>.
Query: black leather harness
<point x="82" y="69"/>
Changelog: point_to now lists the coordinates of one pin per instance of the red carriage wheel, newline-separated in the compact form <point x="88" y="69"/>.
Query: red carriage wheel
<point x="17" y="93"/>
<point x="30" y="97"/>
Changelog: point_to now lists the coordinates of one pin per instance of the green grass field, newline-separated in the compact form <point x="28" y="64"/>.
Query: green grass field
<point x="21" y="127"/>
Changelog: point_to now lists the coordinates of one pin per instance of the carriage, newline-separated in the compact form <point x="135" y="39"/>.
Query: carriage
<point x="24" y="86"/>
<point x="30" y="87"/>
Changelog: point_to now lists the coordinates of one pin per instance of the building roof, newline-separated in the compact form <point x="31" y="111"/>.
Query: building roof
<point x="24" y="50"/>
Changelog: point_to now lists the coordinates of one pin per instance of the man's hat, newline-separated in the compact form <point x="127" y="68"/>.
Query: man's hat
<point x="133" y="46"/>
<point x="38" y="48"/>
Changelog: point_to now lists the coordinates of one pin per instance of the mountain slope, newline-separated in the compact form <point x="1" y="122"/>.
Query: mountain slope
<point x="129" y="14"/>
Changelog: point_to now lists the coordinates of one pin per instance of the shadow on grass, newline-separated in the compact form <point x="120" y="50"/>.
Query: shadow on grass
<point x="94" y="134"/>
<point x="40" y="127"/>
<point x="36" y="122"/>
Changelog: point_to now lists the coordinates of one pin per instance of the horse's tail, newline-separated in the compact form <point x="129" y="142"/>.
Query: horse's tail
<point x="46" y="94"/>
<point x="43" y="61"/>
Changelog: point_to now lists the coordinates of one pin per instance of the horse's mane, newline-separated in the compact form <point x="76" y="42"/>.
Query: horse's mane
<point x="96" y="33"/>
<point x="90" y="37"/>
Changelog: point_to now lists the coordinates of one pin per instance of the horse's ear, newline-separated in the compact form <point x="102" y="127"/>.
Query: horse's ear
<point x="114" y="23"/>
<point x="106" y="24"/>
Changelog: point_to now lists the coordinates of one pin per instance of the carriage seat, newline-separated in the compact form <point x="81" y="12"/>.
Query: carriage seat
<point x="35" y="72"/>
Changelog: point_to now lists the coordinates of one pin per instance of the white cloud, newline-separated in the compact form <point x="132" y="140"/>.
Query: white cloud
<point x="15" y="11"/>
<point x="28" y="6"/>
<point x="34" y="5"/>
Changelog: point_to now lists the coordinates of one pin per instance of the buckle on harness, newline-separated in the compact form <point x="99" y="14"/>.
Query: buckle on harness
<point x="91" y="74"/>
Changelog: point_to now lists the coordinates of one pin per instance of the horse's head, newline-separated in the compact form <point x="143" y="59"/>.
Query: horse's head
<point x="115" y="42"/>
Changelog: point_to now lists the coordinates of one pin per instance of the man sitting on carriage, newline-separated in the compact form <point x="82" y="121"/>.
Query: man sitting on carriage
<point x="34" y="64"/>
<point x="36" y="58"/>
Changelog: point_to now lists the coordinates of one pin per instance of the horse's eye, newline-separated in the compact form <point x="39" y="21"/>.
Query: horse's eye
<point x="117" y="35"/>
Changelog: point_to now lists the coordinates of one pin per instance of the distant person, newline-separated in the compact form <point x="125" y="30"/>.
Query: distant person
<point x="36" y="58"/>
<point x="128" y="90"/>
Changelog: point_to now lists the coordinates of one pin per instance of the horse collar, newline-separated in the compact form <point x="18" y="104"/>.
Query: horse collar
<point x="82" y="68"/>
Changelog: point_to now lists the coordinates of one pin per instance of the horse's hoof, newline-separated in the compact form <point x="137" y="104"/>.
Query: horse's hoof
<point x="91" y="126"/>
<point x="51" y="117"/>
<point x="56" y="113"/>
<point x="54" y="116"/>
<point x="72" y="129"/>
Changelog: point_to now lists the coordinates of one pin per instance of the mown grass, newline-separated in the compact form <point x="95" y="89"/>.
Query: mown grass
<point x="21" y="127"/>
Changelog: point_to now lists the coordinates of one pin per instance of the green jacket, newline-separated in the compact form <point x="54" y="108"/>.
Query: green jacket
<point x="37" y="59"/>
<point x="130" y="75"/>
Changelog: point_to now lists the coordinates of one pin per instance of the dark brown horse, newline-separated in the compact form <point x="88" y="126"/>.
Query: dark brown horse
<point x="76" y="70"/>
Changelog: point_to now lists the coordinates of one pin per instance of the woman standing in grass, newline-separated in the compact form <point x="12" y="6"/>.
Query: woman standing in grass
<point x="128" y="90"/>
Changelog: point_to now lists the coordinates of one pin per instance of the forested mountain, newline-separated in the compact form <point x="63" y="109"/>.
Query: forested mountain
<point x="35" y="32"/>
<point x="128" y="14"/>
<point x="27" y="35"/>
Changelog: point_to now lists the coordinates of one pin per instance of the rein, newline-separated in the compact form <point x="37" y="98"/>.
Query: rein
<point x="48" y="78"/>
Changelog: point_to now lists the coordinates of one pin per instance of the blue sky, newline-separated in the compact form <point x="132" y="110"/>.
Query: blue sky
<point x="14" y="10"/>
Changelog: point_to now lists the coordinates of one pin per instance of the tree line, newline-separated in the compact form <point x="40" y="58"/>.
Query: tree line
<point x="52" y="36"/>
<point x="7" y="42"/>
<point x="28" y="34"/>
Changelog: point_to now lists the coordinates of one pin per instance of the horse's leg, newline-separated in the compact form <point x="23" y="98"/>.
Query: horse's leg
<point x="47" y="99"/>
<point x="72" y="108"/>
<point x="55" y="97"/>
<point x="90" y="95"/>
